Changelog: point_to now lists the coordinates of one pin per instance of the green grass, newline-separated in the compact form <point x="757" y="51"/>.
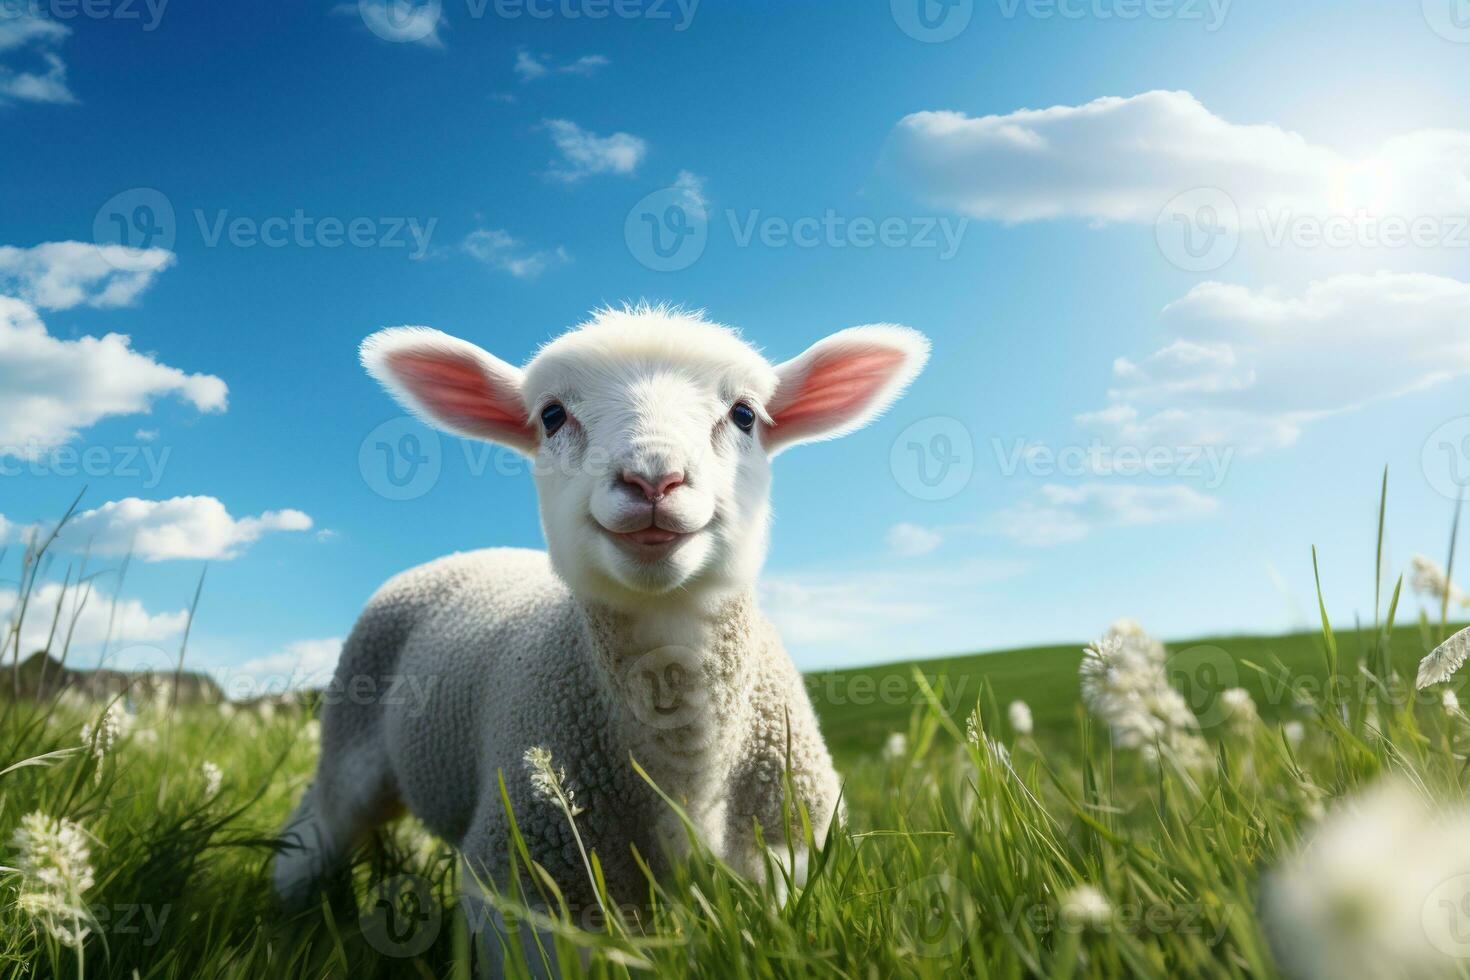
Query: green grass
<point x="960" y="857"/>
<point x="181" y="884"/>
<point x="860" y="707"/>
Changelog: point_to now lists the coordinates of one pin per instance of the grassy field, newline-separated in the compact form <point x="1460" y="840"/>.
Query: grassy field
<point x="860" y="707"/>
<point x="1315" y="829"/>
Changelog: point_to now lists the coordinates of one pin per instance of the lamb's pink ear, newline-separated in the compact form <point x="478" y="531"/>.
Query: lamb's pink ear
<point x="842" y="383"/>
<point x="452" y="384"/>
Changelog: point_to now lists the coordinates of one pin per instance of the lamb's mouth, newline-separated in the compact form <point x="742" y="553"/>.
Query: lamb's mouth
<point x="649" y="544"/>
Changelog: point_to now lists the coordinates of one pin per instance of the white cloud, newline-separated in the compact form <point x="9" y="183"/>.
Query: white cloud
<point x="61" y="275"/>
<point x="531" y="67"/>
<point x="588" y="64"/>
<point x="911" y="540"/>
<point x="180" y="527"/>
<point x="499" y="250"/>
<point x="1070" y="513"/>
<point x="1233" y="371"/>
<point x="691" y="185"/>
<point x="86" y="615"/>
<point x="400" y="21"/>
<point x="50" y="388"/>
<point x="19" y="31"/>
<point x="301" y="664"/>
<point x="585" y="153"/>
<point x="1123" y="159"/>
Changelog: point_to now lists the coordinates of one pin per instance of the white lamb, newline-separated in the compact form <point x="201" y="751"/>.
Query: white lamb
<point x="638" y="637"/>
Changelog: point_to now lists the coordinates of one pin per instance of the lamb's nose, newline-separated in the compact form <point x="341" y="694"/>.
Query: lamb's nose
<point x="655" y="489"/>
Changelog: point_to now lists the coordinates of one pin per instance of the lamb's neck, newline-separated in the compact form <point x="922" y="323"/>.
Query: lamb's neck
<point x="678" y="682"/>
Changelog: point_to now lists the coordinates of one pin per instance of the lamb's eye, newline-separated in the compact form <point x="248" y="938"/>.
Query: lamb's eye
<point x="553" y="417"/>
<point x="743" y="416"/>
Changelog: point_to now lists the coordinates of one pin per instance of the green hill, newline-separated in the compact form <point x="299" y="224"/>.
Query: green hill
<point x="861" y="706"/>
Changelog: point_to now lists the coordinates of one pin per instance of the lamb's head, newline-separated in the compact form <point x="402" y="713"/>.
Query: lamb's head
<point x="651" y="433"/>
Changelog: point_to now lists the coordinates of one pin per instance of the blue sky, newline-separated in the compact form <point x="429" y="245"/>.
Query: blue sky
<point x="496" y="168"/>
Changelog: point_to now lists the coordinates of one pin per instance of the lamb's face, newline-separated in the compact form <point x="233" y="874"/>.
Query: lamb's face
<point x="652" y="434"/>
<point x="650" y="464"/>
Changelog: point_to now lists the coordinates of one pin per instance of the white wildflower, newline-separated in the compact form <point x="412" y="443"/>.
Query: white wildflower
<point x="1451" y="701"/>
<point x="548" y="780"/>
<point x="1429" y="580"/>
<point x="1240" y="710"/>
<point x="1020" y="715"/>
<point x="53" y="858"/>
<point x="1365" y="897"/>
<point x="1445" y="659"/>
<point x="111" y="725"/>
<point x="1086" y="907"/>
<point x="227" y="709"/>
<point x="896" y="747"/>
<point x="214" y="777"/>
<point x="1125" y="685"/>
<point x="313" y="730"/>
<point x="1295" y="732"/>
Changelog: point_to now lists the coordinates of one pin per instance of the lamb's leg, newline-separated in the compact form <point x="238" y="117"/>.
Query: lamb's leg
<point x="350" y="797"/>
<point x="491" y="937"/>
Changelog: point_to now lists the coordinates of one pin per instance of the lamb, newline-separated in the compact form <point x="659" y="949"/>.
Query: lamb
<point x="635" y="636"/>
